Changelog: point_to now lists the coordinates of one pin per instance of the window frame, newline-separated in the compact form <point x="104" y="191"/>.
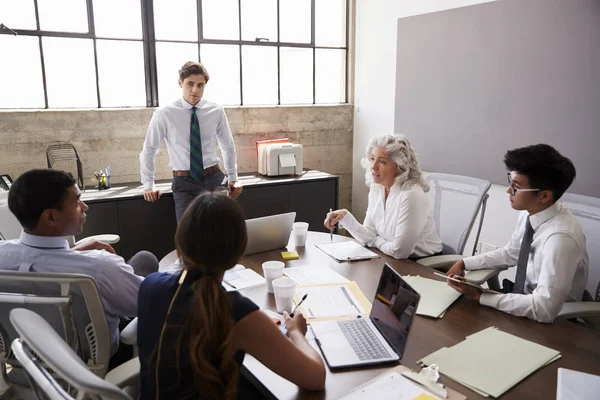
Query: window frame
<point x="149" y="48"/>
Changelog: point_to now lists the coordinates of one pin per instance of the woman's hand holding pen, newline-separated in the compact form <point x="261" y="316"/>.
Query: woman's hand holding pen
<point x="334" y="217"/>
<point x="297" y="323"/>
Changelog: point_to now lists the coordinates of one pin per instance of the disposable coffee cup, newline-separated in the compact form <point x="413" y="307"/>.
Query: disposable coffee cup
<point x="284" y="289"/>
<point x="272" y="270"/>
<point x="300" y="231"/>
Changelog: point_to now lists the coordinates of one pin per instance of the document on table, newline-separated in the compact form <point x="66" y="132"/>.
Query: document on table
<point x="436" y="296"/>
<point x="240" y="277"/>
<point x="311" y="275"/>
<point x="347" y="251"/>
<point x="329" y="301"/>
<point x="491" y="361"/>
<point x="577" y="385"/>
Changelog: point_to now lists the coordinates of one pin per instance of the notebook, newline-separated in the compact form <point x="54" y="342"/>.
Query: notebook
<point x="391" y="385"/>
<point x="240" y="277"/>
<point x="347" y="251"/>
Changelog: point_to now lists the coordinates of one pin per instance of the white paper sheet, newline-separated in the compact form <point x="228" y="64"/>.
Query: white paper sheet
<point x="310" y="275"/>
<point x="329" y="301"/>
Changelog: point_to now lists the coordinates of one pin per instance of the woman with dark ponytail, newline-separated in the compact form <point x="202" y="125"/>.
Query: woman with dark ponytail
<point x="193" y="335"/>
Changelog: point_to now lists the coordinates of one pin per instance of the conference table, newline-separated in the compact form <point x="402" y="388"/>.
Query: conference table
<point x="579" y="346"/>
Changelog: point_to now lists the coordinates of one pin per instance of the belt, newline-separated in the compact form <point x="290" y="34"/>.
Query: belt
<point x="207" y="171"/>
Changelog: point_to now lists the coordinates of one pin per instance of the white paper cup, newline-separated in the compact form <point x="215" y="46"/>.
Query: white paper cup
<point x="300" y="231"/>
<point x="272" y="270"/>
<point x="284" y="289"/>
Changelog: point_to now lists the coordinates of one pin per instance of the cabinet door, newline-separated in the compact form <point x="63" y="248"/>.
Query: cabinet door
<point x="147" y="226"/>
<point x="260" y="201"/>
<point x="102" y="218"/>
<point x="312" y="201"/>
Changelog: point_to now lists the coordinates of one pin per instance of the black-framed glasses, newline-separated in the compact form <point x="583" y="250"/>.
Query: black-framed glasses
<point x="513" y="189"/>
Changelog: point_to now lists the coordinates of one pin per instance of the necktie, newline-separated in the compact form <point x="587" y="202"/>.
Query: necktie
<point x="523" y="258"/>
<point x="196" y="164"/>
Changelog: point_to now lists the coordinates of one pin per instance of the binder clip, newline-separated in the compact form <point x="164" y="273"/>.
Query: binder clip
<point x="428" y="378"/>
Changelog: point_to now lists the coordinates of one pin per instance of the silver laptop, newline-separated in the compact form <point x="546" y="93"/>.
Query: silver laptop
<point x="378" y="339"/>
<point x="269" y="233"/>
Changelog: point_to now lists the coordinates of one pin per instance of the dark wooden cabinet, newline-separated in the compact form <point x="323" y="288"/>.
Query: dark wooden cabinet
<point x="151" y="226"/>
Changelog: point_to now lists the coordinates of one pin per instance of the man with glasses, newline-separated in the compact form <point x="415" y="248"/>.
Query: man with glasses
<point x="547" y="246"/>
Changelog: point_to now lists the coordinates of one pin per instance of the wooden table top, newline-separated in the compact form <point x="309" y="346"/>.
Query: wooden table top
<point x="579" y="347"/>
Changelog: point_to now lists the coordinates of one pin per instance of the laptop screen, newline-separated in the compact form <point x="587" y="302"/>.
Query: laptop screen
<point x="394" y="308"/>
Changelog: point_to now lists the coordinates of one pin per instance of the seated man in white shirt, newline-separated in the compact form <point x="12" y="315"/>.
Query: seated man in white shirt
<point x="547" y="246"/>
<point x="399" y="220"/>
<point x="47" y="203"/>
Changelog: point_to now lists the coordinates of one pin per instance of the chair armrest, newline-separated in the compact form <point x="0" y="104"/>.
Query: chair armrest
<point x="579" y="309"/>
<point x="481" y="276"/>
<point x="108" y="239"/>
<point x="129" y="333"/>
<point x="126" y="374"/>
<point x="443" y="262"/>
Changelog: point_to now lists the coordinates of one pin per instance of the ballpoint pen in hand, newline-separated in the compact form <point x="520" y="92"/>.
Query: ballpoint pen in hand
<point x="298" y="305"/>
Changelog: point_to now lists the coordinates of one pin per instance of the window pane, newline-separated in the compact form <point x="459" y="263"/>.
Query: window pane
<point x="259" y="19"/>
<point x="220" y="19"/>
<point x="294" y="21"/>
<point x="70" y="72"/>
<point x="20" y="72"/>
<point x="176" y="20"/>
<point x="259" y="74"/>
<point x="121" y="73"/>
<point x="118" y="19"/>
<point x="170" y="57"/>
<point x="330" y="23"/>
<point x="18" y="14"/>
<point x="296" y="75"/>
<point x="63" y="15"/>
<point x="330" y="78"/>
<point x="223" y="65"/>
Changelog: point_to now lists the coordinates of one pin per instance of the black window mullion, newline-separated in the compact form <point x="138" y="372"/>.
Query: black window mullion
<point x="278" y="58"/>
<point x="241" y="64"/>
<point x="92" y="31"/>
<point x="149" y="38"/>
<point x="313" y="43"/>
<point x="43" y="64"/>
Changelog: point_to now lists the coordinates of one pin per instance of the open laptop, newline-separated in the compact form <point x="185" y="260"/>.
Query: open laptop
<point x="378" y="339"/>
<point x="269" y="233"/>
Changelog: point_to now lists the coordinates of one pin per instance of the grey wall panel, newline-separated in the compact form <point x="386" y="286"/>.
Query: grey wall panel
<point x="473" y="82"/>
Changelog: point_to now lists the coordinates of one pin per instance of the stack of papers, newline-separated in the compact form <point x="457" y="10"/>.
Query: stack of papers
<point x="347" y="251"/>
<point x="314" y="275"/>
<point x="436" y="296"/>
<point x="240" y="277"/>
<point x="490" y="362"/>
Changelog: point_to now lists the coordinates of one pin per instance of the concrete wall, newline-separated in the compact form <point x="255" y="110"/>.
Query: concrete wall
<point x="115" y="137"/>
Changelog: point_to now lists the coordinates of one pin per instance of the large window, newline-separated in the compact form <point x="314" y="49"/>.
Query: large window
<point x="126" y="53"/>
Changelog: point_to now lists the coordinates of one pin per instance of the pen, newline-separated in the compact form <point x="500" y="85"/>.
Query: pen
<point x="331" y="233"/>
<point x="229" y="284"/>
<point x="298" y="305"/>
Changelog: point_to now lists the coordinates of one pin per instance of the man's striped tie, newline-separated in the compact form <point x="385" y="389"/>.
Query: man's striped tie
<point x="196" y="164"/>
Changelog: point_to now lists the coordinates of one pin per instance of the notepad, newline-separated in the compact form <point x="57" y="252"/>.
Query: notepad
<point x="391" y="385"/>
<point x="312" y="275"/>
<point x="436" y="296"/>
<point x="289" y="255"/>
<point x="240" y="277"/>
<point x="347" y="251"/>
<point x="491" y="361"/>
<point x="332" y="301"/>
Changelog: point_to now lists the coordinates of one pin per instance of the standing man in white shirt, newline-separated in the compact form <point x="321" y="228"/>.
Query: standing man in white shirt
<point x="547" y="246"/>
<point x="191" y="126"/>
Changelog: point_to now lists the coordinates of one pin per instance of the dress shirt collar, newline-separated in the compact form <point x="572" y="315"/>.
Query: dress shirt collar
<point x="537" y="219"/>
<point x="188" y="106"/>
<point x="45" y="242"/>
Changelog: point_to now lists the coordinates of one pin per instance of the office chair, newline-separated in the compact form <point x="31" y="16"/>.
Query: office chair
<point x="70" y="303"/>
<point x="10" y="228"/>
<point x="587" y="211"/>
<point x="40" y="349"/>
<point x="456" y="201"/>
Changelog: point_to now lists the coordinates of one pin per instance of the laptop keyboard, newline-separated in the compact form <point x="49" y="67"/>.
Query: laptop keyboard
<point x="363" y="340"/>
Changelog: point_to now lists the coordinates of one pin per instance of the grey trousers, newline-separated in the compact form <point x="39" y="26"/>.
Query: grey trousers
<point x="143" y="263"/>
<point x="185" y="189"/>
